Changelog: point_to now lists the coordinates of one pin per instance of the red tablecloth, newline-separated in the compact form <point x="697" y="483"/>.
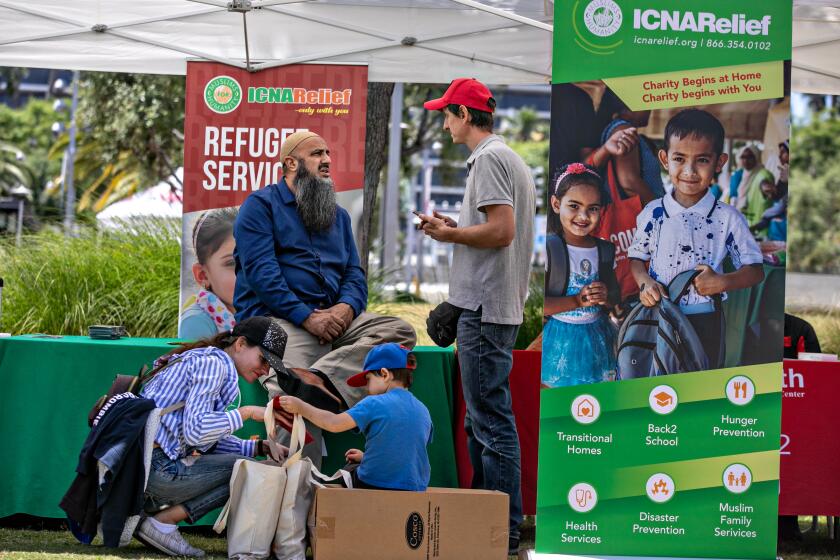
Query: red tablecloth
<point x="525" y="391"/>
<point x="810" y="460"/>
<point x="810" y="465"/>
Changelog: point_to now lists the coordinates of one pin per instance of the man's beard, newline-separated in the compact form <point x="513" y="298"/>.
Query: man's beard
<point x="315" y="198"/>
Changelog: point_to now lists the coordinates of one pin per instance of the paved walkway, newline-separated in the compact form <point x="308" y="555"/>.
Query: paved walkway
<point x="812" y="291"/>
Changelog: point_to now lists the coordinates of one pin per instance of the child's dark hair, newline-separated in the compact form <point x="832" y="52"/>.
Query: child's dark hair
<point x="697" y="123"/>
<point x="479" y="119"/>
<point x="211" y="230"/>
<point x="578" y="174"/>
<point x="220" y="340"/>
<point x="405" y="375"/>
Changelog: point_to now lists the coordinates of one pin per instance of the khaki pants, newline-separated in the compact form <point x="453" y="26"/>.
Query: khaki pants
<point x="339" y="360"/>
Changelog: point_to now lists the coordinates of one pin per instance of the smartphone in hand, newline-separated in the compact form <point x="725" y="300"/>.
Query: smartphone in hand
<point x="422" y="221"/>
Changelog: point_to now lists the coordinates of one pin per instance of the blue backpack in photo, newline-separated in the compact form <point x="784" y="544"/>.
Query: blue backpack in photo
<point x="660" y="340"/>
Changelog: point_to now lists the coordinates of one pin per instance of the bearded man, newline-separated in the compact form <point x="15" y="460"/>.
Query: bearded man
<point x="296" y="260"/>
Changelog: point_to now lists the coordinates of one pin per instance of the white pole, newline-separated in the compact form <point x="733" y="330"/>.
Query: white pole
<point x="70" y="203"/>
<point x="19" y="232"/>
<point x="427" y="189"/>
<point x="391" y="200"/>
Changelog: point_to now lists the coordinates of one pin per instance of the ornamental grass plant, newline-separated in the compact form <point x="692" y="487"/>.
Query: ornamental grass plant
<point x="130" y="276"/>
<point x="62" y="285"/>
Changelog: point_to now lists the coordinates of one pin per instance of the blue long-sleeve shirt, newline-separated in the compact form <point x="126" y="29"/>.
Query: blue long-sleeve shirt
<point x="283" y="270"/>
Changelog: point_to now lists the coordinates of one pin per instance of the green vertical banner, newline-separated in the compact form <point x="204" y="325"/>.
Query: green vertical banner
<point x="676" y="464"/>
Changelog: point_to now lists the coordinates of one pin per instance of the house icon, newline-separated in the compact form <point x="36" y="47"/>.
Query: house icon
<point x="585" y="409"/>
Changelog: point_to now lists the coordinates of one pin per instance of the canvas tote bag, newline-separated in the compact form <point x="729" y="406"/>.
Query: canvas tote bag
<point x="302" y="479"/>
<point x="290" y="534"/>
<point x="256" y="495"/>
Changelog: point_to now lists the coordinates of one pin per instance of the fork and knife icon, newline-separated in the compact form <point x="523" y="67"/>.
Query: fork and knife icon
<point x="740" y="389"/>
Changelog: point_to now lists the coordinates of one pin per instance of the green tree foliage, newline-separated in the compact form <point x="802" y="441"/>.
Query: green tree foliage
<point x="139" y="113"/>
<point x="814" y="224"/>
<point x="13" y="168"/>
<point x="25" y="137"/>
<point x="130" y="135"/>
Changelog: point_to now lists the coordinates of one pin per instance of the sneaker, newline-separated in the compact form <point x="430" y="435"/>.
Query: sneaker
<point x="172" y="543"/>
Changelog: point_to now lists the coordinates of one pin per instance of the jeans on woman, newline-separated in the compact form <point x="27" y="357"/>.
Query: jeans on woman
<point x="485" y="356"/>
<point x="200" y="485"/>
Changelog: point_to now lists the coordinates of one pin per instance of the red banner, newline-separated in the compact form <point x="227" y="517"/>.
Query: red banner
<point x="810" y="465"/>
<point x="236" y="120"/>
<point x="234" y="126"/>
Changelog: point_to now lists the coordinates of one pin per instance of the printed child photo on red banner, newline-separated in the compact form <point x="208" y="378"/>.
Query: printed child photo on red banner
<point x="676" y="213"/>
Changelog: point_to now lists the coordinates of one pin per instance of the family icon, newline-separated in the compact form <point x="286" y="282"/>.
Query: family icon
<point x="737" y="478"/>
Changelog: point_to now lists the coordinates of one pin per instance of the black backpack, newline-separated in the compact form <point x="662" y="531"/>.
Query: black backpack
<point x="660" y="340"/>
<point x="557" y="274"/>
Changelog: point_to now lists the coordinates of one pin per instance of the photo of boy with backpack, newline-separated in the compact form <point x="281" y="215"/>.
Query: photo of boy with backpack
<point x="682" y="240"/>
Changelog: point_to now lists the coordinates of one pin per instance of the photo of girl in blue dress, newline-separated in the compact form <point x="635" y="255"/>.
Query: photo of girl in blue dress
<point x="581" y="286"/>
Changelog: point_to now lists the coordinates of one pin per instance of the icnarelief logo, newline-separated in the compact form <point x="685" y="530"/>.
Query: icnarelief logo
<point x="222" y="94"/>
<point x="595" y="22"/>
<point x="602" y="17"/>
<point x="700" y="22"/>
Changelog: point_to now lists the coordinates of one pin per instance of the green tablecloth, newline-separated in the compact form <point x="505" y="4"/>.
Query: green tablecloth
<point x="49" y="384"/>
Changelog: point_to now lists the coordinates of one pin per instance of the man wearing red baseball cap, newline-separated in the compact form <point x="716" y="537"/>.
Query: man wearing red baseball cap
<point x="488" y="282"/>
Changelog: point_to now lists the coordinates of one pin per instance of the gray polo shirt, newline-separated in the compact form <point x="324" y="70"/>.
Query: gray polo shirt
<point x="495" y="279"/>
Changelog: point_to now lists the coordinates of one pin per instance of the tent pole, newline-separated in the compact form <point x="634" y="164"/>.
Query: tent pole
<point x="406" y="41"/>
<point x="505" y="14"/>
<point x="391" y="200"/>
<point x="247" y="52"/>
<point x="161" y="44"/>
<point x="70" y="204"/>
<point x="817" y="71"/>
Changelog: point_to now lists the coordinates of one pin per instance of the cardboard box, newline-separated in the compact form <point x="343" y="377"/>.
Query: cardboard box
<point x="347" y="524"/>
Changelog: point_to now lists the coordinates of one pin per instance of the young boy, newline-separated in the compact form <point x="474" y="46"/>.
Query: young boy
<point x="397" y="427"/>
<point x="688" y="229"/>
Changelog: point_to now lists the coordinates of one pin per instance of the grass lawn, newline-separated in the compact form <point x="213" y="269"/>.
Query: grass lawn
<point x="49" y="544"/>
<point x="827" y="327"/>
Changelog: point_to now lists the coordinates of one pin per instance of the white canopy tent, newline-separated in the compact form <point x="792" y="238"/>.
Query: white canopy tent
<point x="159" y="201"/>
<point x="401" y="40"/>
<point x="431" y="41"/>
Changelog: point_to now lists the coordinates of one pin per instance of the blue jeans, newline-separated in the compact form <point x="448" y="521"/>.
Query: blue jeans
<point x="485" y="355"/>
<point x="200" y="487"/>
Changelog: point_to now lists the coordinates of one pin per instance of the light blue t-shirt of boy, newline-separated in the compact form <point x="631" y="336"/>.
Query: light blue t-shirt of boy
<point x="397" y="428"/>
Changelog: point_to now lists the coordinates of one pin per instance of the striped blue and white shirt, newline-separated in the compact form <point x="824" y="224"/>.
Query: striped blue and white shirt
<point x="206" y="380"/>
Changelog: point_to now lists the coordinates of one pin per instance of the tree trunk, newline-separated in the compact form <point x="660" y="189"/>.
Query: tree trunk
<point x="376" y="144"/>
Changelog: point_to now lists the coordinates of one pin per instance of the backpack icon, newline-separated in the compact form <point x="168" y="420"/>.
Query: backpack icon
<point x="660" y="340"/>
